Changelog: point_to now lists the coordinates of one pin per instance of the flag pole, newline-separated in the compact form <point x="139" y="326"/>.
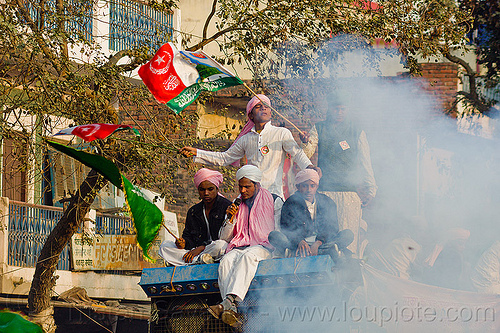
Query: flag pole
<point x="253" y="92"/>
<point x="170" y="232"/>
<point x="279" y="114"/>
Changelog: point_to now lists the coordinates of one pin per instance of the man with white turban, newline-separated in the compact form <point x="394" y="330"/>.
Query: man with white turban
<point x="309" y="223"/>
<point x="248" y="244"/>
<point x="263" y="144"/>
<point x="200" y="242"/>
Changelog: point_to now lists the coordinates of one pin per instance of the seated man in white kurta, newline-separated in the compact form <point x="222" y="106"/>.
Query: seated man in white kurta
<point x="199" y="243"/>
<point x="248" y="243"/>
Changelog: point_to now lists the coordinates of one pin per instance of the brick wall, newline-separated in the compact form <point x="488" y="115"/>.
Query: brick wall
<point x="441" y="81"/>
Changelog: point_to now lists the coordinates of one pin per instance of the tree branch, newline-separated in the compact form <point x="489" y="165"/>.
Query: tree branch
<point x="41" y="42"/>
<point x="214" y="37"/>
<point x="44" y="279"/>
<point x="234" y="27"/>
<point x="207" y="22"/>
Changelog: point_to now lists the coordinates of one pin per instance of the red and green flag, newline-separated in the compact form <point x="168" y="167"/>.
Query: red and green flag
<point x="147" y="217"/>
<point x="91" y="132"/>
<point x="178" y="77"/>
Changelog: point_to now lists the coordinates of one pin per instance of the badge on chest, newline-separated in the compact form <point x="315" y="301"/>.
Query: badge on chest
<point x="264" y="150"/>
<point x="344" y="145"/>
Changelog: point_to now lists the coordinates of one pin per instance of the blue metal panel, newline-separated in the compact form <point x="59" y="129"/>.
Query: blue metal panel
<point x="30" y="225"/>
<point x="272" y="273"/>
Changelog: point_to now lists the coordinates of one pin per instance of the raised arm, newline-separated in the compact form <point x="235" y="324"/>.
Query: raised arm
<point x="309" y="147"/>
<point x="233" y="154"/>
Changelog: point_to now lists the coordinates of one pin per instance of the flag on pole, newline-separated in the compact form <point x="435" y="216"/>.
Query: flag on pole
<point x="147" y="217"/>
<point x="90" y="132"/>
<point x="99" y="163"/>
<point x="178" y="77"/>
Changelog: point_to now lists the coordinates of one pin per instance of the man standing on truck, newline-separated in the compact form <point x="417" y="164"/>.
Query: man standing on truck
<point x="263" y="144"/>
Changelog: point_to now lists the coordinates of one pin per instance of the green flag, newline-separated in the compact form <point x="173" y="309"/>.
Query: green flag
<point x="14" y="323"/>
<point x="99" y="163"/>
<point x="147" y="217"/>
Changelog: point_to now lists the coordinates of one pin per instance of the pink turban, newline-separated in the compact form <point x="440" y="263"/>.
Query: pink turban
<point x="255" y="100"/>
<point x="215" y="177"/>
<point x="305" y="175"/>
<point x="248" y="126"/>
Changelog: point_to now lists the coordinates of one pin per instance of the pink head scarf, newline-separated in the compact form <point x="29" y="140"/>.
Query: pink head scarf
<point x="249" y="124"/>
<point x="254" y="228"/>
<point x="215" y="177"/>
<point x="305" y="175"/>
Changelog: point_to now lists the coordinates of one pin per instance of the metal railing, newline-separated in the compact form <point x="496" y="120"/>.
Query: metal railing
<point x="489" y="93"/>
<point x="79" y="20"/>
<point x="30" y="225"/>
<point x="133" y="24"/>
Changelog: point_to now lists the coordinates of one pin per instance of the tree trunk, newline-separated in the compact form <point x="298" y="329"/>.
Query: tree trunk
<point x="39" y="307"/>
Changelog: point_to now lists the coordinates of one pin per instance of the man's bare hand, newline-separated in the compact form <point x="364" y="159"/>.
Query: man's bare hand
<point x="315" y="248"/>
<point x="232" y="210"/>
<point x="188" y="151"/>
<point x="189" y="256"/>
<point x="317" y="169"/>
<point x="180" y="243"/>
<point x="304" y="137"/>
<point x="365" y="197"/>
<point x="303" y="250"/>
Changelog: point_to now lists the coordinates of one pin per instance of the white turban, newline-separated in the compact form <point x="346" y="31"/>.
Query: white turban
<point x="249" y="171"/>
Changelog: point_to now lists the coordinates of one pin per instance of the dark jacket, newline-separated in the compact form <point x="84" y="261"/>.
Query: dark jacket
<point x="195" y="232"/>
<point x="341" y="168"/>
<point x="296" y="222"/>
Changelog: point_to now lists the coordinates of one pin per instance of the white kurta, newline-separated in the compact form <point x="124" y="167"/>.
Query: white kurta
<point x="266" y="150"/>
<point x="173" y="255"/>
<point x="237" y="270"/>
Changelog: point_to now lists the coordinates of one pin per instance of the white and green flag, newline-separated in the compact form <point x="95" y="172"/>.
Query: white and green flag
<point x="178" y="77"/>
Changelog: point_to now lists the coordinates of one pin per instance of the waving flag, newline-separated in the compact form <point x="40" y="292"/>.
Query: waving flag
<point x="178" y="77"/>
<point x="147" y="217"/>
<point x="90" y="132"/>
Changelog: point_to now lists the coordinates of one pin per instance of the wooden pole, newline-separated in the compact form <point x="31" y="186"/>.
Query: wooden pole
<point x="170" y="232"/>
<point x="279" y="114"/>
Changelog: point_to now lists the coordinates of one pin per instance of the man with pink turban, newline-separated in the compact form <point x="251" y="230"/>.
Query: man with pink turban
<point x="263" y="144"/>
<point x="248" y="243"/>
<point x="309" y="224"/>
<point x="200" y="242"/>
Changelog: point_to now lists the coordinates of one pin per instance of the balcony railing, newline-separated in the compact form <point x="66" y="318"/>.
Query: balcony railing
<point x="489" y="93"/>
<point x="79" y="21"/>
<point x="30" y="225"/>
<point x="133" y="24"/>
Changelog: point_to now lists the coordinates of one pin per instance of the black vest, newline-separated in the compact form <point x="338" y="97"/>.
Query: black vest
<point x="338" y="156"/>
